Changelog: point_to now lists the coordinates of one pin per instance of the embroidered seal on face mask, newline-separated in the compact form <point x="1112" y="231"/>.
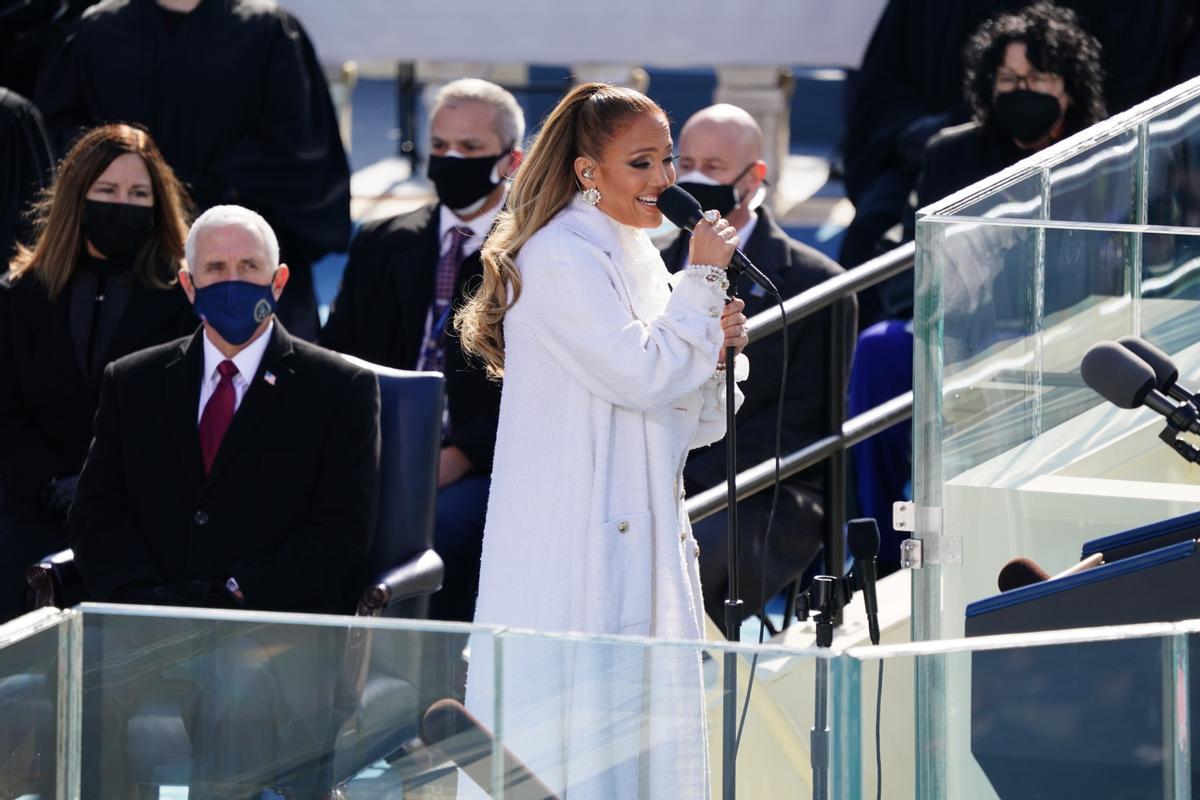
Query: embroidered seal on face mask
<point x="262" y="310"/>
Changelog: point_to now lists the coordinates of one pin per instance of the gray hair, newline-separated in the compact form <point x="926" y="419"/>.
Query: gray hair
<point x="509" y="123"/>
<point x="220" y="216"/>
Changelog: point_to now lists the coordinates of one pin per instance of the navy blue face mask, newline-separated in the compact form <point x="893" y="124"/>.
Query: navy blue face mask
<point x="235" y="309"/>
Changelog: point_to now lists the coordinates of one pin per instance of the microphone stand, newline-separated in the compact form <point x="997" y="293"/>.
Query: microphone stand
<point x="1170" y="435"/>
<point x="824" y="600"/>
<point x="733" y="601"/>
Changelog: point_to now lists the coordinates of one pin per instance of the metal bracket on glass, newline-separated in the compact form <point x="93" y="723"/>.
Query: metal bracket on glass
<point x="932" y="547"/>
<point x="916" y="553"/>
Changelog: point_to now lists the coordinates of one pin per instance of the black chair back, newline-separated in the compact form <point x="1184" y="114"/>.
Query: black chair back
<point x="410" y="428"/>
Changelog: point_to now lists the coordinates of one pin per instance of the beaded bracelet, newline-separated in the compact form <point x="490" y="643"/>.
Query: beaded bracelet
<point x="711" y="274"/>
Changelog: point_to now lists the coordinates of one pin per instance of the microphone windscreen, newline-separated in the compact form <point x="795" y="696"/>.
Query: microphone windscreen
<point x="679" y="207"/>
<point x="1117" y="375"/>
<point x="1165" y="372"/>
<point x="862" y="535"/>
<point x="448" y="718"/>
<point x="1020" y="572"/>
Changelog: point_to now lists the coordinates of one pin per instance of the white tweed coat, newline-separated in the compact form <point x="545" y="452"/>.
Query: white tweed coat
<point x="609" y="381"/>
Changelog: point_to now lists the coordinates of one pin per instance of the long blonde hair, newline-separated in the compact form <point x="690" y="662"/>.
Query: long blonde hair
<point x="580" y="125"/>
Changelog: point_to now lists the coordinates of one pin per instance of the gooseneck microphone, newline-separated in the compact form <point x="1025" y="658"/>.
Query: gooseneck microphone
<point x="1166" y="374"/>
<point x="863" y="538"/>
<point x="684" y="211"/>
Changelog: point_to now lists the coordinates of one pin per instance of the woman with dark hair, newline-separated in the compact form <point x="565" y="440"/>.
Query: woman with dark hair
<point x="1032" y="78"/>
<point x="99" y="282"/>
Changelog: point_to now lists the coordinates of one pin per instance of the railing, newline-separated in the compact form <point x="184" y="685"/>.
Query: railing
<point x="843" y="433"/>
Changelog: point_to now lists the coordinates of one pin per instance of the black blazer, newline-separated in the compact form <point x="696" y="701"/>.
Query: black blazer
<point x="793" y="267"/>
<point x="289" y="506"/>
<point x="47" y="402"/>
<point x="380" y="311"/>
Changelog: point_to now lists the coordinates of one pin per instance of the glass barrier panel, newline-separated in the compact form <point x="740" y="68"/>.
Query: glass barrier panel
<point x="1019" y="196"/>
<point x="1099" y="184"/>
<point x="1172" y="150"/>
<point x="240" y="704"/>
<point x="1106" y="718"/>
<point x="35" y="713"/>
<point x="1017" y="455"/>
<point x="644" y="718"/>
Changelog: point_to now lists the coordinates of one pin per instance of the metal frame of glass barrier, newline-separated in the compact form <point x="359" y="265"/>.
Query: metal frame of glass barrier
<point x="39" y="698"/>
<point x="1093" y="238"/>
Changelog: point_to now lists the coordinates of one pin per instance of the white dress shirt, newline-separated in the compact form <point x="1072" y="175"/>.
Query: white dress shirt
<point x="246" y="361"/>
<point x="480" y="226"/>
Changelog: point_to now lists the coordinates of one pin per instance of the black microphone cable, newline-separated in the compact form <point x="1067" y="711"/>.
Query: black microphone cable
<point x="878" y="724"/>
<point x="762" y="624"/>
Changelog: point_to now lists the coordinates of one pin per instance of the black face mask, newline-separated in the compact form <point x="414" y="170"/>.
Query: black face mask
<point x="118" y="230"/>
<point x="720" y="196"/>
<point x="1026" y="115"/>
<point x="462" y="182"/>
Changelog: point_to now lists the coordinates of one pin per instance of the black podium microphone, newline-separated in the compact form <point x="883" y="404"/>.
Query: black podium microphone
<point x="684" y="211"/>
<point x="863" y="538"/>
<point x="1126" y="381"/>
<point x="1166" y="374"/>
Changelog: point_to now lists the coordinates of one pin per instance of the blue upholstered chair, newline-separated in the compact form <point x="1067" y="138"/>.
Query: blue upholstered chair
<point x="378" y="703"/>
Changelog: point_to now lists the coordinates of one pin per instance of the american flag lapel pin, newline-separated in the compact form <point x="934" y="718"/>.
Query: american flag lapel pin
<point x="269" y="377"/>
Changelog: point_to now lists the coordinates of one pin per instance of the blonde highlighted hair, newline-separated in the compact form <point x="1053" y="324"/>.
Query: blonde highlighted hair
<point x="581" y="124"/>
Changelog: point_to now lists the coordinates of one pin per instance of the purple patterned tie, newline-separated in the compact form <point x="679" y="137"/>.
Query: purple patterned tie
<point x="433" y="348"/>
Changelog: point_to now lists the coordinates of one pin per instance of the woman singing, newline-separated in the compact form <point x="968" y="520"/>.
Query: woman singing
<point x="610" y="377"/>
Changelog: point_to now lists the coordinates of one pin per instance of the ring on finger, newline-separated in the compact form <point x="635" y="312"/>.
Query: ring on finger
<point x="711" y="216"/>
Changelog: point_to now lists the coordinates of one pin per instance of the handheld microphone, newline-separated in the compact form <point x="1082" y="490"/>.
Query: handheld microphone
<point x="1126" y="381"/>
<point x="450" y="729"/>
<point x="863" y="537"/>
<point x="684" y="211"/>
<point x="1166" y="374"/>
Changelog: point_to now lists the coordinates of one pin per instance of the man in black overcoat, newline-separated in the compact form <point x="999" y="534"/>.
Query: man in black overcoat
<point x="720" y="161"/>
<point x="407" y="275"/>
<point x="236" y="468"/>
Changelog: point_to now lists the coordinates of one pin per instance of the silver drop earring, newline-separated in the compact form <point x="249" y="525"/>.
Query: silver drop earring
<point x="590" y="196"/>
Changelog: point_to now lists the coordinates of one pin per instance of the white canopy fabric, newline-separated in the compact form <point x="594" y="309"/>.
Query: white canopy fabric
<point x="666" y="33"/>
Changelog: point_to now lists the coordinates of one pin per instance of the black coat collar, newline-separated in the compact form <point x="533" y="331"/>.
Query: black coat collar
<point x="147" y="310"/>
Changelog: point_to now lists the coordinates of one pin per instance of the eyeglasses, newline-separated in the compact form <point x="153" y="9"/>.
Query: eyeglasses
<point x="1045" y="82"/>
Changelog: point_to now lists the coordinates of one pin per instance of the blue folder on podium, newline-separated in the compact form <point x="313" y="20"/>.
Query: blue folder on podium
<point x="1093" y="719"/>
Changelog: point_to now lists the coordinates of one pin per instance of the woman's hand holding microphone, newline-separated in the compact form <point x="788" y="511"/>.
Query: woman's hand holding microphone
<point x="714" y="242"/>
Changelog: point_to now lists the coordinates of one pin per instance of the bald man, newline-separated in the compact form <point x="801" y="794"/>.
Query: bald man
<point x="720" y="161"/>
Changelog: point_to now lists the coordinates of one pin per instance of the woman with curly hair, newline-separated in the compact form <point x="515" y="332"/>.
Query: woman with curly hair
<point x="1031" y="79"/>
